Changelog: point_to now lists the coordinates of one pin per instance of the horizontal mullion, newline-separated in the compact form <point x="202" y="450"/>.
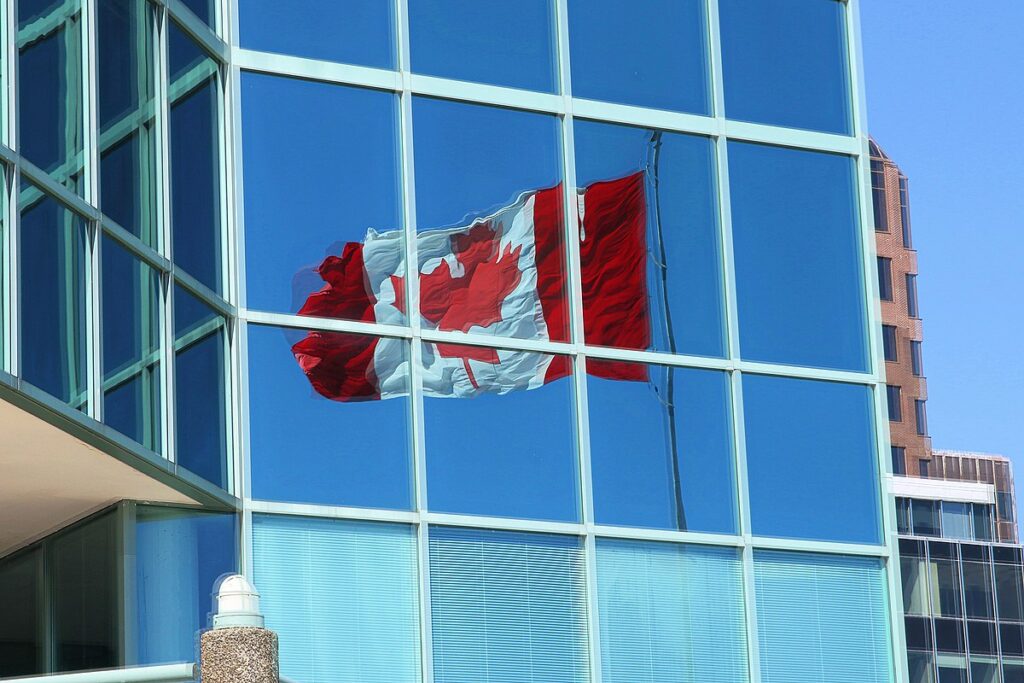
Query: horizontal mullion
<point x="49" y="23"/>
<point x="311" y="69"/>
<point x="824" y="547"/>
<point x="486" y="94"/>
<point x="202" y="292"/>
<point x="44" y="181"/>
<point x="503" y="523"/>
<point x="657" y="357"/>
<point x="510" y="343"/>
<point x="330" y="511"/>
<point x="792" y="137"/>
<point x="796" y="371"/>
<point x="134" y="245"/>
<point x="666" y="535"/>
<point x="647" y="118"/>
<point x="324" y="324"/>
<point x="197" y="30"/>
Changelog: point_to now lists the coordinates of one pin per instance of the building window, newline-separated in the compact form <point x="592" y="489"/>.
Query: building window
<point x="921" y="417"/>
<point x="911" y="295"/>
<point x="878" y="200"/>
<point x="916" y="361"/>
<point x="885" y="278"/>
<point x="903" y="515"/>
<point x="892" y="395"/>
<point x="899" y="460"/>
<point x="922" y="468"/>
<point x="926" y="517"/>
<point x="905" y="212"/>
<point x="889" y="342"/>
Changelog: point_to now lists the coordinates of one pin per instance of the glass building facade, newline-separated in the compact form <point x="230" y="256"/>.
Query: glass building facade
<point x="625" y="421"/>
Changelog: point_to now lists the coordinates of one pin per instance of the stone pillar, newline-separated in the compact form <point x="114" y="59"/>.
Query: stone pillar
<point x="238" y="649"/>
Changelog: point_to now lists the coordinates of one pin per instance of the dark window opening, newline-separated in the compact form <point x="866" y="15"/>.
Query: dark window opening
<point x="916" y="360"/>
<point x="889" y="342"/>
<point x="885" y="278"/>
<point x="892" y="395"/>
<point x="899" y="460"/>
<point x="911" y="295"/>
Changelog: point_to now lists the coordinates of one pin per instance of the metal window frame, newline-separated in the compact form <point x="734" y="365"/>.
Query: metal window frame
<point x="233" y="60"/>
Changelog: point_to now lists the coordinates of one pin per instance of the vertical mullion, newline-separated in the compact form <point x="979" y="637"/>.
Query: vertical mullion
<point x="8" y="67"/>
<point x="11" y="286"/>
<point x="408" y="172"/>
<point x="731" y="316"/>
<point x="579" y="376"/>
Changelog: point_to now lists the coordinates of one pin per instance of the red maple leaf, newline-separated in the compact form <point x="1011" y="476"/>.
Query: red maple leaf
<point x="457" y="303"/>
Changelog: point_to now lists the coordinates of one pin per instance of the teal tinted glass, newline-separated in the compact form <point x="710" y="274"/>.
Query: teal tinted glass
<point x="342" y="597"/>
<point x="649" y="54"/>
<point x="822" y="618"/>
<point x="670" y="613"/>
<point x="785" y="63"/>
<point x="811" y="463"/>
<point x="797" y="247"/>
<point x="21" y="632"/>
<point x="353" y="32"/>
<point x="52" y="290"/>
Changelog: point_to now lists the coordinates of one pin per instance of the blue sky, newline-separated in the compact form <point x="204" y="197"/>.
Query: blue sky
<point x="945" y="101"/>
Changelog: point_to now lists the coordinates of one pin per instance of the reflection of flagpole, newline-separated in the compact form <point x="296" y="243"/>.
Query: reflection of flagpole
<point x="670" y="405"/>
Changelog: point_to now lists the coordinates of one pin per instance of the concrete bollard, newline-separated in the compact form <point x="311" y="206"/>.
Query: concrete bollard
<point x="238" y="649"/>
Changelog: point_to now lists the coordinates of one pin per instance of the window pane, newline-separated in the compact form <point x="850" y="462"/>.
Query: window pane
<point x="354" y="32"/>
<point x="956" y="521"/>
<point x="206" y="10"/>
<point x="949" y="637"/>
<point x="833" y="606"/>
<point x="342" y="151"/>
<point x="884" y="276"/>
<point x="912" y="295"/>
<point x="915" y="585"/>
<point x="1009" y="586"/>
<point x="902" y="514"/>
<point x="889" y="345"/>
<point x="52" y="291"/>
<point x="507" y="606"/>
<point x="894" y="403"/>
<point x="650" y="54"/>
<point x="982" y="638"/>
<point x="983" y="530"/>
<point x="926" y="517"/>
<point x="50" y="112"/>
<point x="919" y="633"/>
<point x="84" y="596"/>
<point x="899" y="459"/>
<point x="920" y="417"/>
<point x="916" y="360"/>
<point x="945" y="586"/>
<point x="127" y="107"/>
<point x="977" y="590"/>
<point x="650" y="256"/>
<point x="1011" y="640"/>
<point x="810" y="447"/>
<point x="342" y="597"/>
<point x="489" y="210"/>
<point x="306" y="389"/>
<point x="905" y="213"/>
<point x="920" y="666"/>
<point x="878" y="196"/>
<point x="813" y="314"/>
<point x="511" y="44"/>
<point x="513" y="406"/>
<point x="21" y="594"/>
<point x="194" y="159"/>
<point x="179" y="555"/>
<point x="670" y="613"/>
<point x="784" y="63"/>
<point x="661" y="446"/>
<point x="131" y="346"/>
<point x="200" y="374"/>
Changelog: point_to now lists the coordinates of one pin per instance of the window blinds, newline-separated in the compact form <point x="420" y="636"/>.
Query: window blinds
<point x="670" y="613"/>
<point x="821" y="618"/>
<point x="342" y="597"/>
<point x="507" y="607"/>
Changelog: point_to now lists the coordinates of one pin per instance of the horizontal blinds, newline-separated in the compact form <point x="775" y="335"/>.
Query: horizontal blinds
<point x="507" y="607"/>
<point x="342" y="597"/>
<point x="670" y="613"/>
<point x="821" y="618"/>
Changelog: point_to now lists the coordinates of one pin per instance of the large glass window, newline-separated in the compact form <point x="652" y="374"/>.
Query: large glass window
<point x="800" y="434"/>
<point x="206" y="10"/>
<point x="649" y="241"/>
<point x="956" y="521"/>
<point x="500" y="435"/>
<point x="926" y="517"/>
<point x="795" y="226"/>
<point x="884" y="277"/>
<point x="661" y="446"/>
<point x="52" y="291"/>
<point x="194" y="93"/>
<point x="131" y="345"/>
<point x="342" y="597"/>
<point x="785" y="63"/>
<point x="21" y="619"/>
<point x="914" y="574"/>
<point x="670" y="613"/>
<point x="489" y="214"/>
<point x="977" y="590"/>
<point x="832" y="606"/>
<point x="84" y="592"/>
<point x="511" y="44"/>
<point x="200" y="371"/>
<point x="323" y="213"/>
<point x="50" y="90"/>
<point x="179" y="556"/>
<point x="507" y="607"/>
<point x="328" y="418"/>
<point x="126" y="89"/>
<point x="649" y="54"/>
<point x="1009" y="589"/>
<point x="945" y="581"/>
<point x="354" y="31"/>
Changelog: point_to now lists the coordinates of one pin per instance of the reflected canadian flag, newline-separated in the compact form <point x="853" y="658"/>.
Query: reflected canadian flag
<point x="503" y="275"/>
